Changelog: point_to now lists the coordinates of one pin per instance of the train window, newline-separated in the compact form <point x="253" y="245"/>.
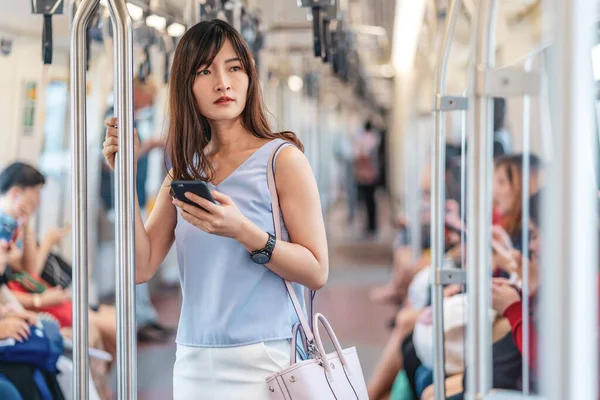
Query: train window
<point x="55" y="161"/>
<point x="55" y="117"/>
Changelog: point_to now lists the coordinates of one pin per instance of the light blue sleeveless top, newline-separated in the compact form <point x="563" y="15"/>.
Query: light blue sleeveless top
<point x="228" y="300"/>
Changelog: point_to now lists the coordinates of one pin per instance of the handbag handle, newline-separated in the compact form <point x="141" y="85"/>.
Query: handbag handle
<point x="297" y="328"/>
<point x="338" y="349"/>
<point x="307" y="328"/>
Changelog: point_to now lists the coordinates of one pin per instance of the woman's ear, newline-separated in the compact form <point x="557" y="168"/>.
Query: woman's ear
<point x="14" y="193"/>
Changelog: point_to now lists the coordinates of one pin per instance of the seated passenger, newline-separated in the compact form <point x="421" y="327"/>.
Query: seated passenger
<point x="405" y="267"/>
<point x="506" y="299"/>
<point x="20" y="190"/>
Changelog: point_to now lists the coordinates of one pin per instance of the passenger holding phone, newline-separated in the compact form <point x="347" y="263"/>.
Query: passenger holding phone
<point x="236" y="318"/>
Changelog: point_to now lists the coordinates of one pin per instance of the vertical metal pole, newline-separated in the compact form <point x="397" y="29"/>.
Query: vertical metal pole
<point x="525" y="229"/>
<point x="438" y="197"/>
<point x="479" y="336"/>
<point x="79" y="198"/>
<point x="569" y="276"/>
<point x="463" y="183"/>
<point x="125" y="203"/>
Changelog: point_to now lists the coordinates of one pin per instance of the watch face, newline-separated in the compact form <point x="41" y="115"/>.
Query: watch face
<point x="260" y="258"/>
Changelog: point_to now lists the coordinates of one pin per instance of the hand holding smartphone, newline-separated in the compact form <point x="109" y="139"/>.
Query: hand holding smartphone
<point x="199" y="188"/>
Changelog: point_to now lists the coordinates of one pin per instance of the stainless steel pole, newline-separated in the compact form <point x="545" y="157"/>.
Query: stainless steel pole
<point x="569" y="297"/>
<point x="525" y="229"/>
<point x="479" y="335"/>
<point x="438" y="196"/>
<point x="79" y="198"/>
<point x="125" y="203"/>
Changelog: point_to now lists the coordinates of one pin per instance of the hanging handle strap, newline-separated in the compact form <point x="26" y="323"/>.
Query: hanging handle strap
<point x="278" y="234"/>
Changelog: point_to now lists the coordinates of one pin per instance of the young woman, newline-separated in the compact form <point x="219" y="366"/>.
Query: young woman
<point x="508" y="191"/>
<point x="236" y="317"/>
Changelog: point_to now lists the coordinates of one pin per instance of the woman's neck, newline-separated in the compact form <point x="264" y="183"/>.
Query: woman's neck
<point x="228" y="136"/>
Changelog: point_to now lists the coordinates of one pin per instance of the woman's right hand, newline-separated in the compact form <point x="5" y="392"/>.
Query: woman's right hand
<point x="54" y="295"/>
<point x="111" y="142"/>
<point x="15" y="328"/>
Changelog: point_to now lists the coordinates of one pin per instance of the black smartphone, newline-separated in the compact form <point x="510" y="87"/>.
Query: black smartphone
<point x="9" y="231"/>
<point x="199" y="188"/>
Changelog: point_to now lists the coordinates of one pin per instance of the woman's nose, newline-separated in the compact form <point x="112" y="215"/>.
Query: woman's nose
<point x="223" y="84"/>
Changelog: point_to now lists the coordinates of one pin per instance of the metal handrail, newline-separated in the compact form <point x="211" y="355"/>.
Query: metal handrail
<point x="124" y="200"/>
<point x="479" y="336"/>
<point x="438" y="162"/>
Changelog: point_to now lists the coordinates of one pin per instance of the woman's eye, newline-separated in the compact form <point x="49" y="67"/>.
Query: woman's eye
<point x="203" y="72"/>
<point x="236" y="68"/>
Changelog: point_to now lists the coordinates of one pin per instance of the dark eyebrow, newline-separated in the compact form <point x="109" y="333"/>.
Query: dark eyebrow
<point x="226" y="62"/>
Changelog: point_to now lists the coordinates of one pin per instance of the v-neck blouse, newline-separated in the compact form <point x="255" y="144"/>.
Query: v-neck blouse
<point x="228" y="300"/>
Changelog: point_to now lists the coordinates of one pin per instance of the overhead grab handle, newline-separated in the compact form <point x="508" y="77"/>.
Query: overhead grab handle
<point x="47" y="8"/>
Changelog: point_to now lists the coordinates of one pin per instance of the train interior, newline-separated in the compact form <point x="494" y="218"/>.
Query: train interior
<point x="464" y="103"/>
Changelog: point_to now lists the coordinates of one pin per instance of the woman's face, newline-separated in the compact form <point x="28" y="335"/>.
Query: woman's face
<point x="221" y="88"/>
<point x="503" y="191"/>
<point x="24" y="201"/>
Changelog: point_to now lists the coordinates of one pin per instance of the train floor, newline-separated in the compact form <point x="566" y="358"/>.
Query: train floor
<point x="356" y="265"/>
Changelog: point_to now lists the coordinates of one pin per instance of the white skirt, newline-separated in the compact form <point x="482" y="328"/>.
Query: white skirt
<point x="228" y="373"/>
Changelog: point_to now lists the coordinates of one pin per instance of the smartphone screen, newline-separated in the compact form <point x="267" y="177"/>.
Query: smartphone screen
<point x="8" y="230"/>
<point x="200" y="188"/>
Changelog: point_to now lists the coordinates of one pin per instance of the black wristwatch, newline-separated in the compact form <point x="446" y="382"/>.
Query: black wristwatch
<point x="263" y="256"/>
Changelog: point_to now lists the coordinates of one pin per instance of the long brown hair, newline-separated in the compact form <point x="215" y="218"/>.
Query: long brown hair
<point x="189" y="131"/>
<point x="512" y="164"/>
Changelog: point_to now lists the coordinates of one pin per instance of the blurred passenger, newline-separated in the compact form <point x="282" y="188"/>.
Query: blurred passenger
<point x="20" y="191"/>
<point x="366" y="172"/>
<point x="404" y="265"/>
<point x="345" y="155"/>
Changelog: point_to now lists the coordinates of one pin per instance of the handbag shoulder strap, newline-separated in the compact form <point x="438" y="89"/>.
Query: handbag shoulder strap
<point x="278" y="234"/>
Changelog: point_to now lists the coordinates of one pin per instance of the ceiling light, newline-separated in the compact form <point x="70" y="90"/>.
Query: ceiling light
<point x="156" y="22"/>
<point x="135" y="12"/>
<point x="408" y="21"/>
<point x="295" y="83"/>
<point x="176" y="30"/>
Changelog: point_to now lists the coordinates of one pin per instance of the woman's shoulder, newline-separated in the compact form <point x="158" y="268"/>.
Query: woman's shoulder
<point x="291" y="162"/>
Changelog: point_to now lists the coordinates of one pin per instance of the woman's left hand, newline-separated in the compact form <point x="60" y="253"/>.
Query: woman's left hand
<point x="223" y="219"/>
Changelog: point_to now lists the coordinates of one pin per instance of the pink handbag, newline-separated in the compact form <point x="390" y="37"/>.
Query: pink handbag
<point x="334" y="376"/>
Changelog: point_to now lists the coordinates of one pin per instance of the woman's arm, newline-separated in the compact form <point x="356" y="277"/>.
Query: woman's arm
<point x="154" y="240"/>
<point x="50" y="297"/>
<point x="29" y="260"/>
<point x="514" y="314"/>
<point x="305" y="258"/>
